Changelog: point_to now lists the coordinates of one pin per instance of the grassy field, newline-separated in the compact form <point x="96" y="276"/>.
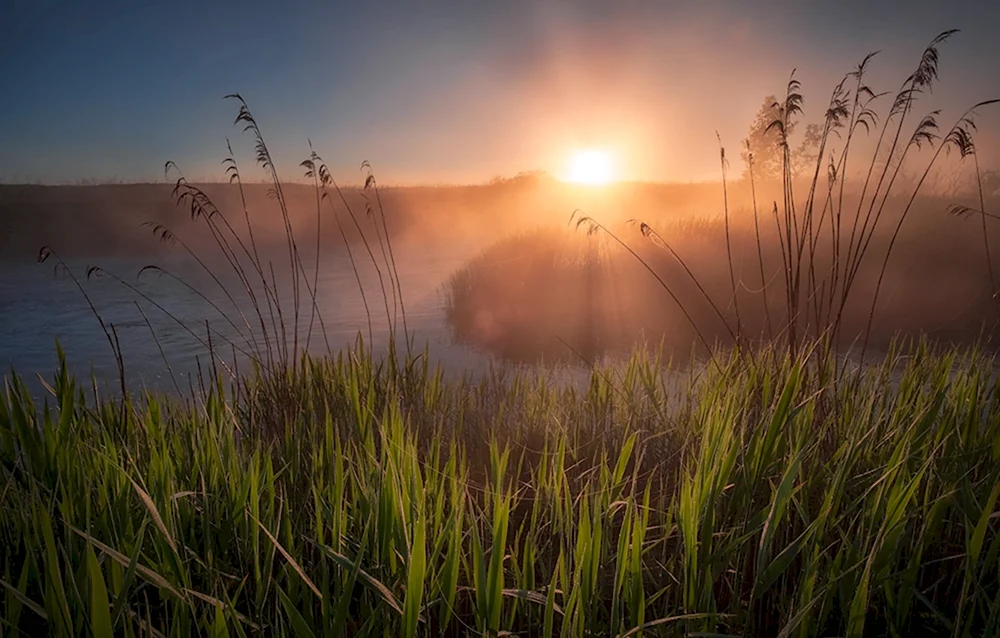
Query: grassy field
<point x="772" y="487"/>
<point x="748" y="499"/>
<point x="554" y="293"/>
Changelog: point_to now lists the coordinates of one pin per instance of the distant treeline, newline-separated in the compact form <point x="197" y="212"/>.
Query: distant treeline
<point x="107" y="220"/>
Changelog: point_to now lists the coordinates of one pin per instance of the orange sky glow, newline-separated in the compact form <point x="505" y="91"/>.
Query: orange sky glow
<point x="446" y="92"/>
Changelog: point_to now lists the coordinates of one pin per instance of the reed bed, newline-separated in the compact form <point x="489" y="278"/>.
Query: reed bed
<point x="747" y="499"/>
<point x="776" y="488"/>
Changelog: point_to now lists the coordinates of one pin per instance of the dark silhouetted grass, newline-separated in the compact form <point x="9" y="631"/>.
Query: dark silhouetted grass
<point x="819" y="278"/>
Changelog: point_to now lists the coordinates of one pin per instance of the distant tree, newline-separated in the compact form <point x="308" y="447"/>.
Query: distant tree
<point x="804" y="156"/>
<point x="524" y="178"/>
<point x="764" y="142"/>
<point x="991" y="182"/>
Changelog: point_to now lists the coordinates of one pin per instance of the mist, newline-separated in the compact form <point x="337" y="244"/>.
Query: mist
<point x="516" y="276"/>
<point x="572" y="317"/>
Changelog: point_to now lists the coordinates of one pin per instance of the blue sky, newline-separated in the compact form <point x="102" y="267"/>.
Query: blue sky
<point x="444" y="91"/>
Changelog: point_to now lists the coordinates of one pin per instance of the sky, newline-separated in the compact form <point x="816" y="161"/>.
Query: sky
<point x="447" y="91"/>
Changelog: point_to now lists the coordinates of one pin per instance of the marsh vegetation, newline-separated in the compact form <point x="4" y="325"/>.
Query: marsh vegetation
<point x="756" y="483"/>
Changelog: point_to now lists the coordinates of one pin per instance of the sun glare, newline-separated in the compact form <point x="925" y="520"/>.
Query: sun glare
<point x="590" y="167"/>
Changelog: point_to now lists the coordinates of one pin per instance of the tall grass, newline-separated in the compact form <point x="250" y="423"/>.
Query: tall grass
<point x="360" y="494"/>
<point x="820" y="259"/>
<point x="745" y="501"/>
<point x="524" y="297"/>
<point x="252" y="319"/>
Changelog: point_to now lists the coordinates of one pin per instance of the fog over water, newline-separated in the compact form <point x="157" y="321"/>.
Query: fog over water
<point x="489" y="274"/>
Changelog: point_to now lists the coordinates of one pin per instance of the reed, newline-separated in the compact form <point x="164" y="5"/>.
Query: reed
<point x="772" y="491"/>
<point x="753" y="498"/>
<point x="820" y="260"/>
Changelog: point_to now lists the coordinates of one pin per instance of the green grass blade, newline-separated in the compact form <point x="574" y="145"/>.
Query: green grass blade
<point x="298" y="622"/>
<point x="100" y="607"/>
<point x="415" y="581"/>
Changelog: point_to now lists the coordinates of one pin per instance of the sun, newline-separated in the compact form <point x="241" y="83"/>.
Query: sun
<point x="590" y="167"/>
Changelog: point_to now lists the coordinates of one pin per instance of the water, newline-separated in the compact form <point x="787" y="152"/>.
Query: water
<point x="40" y="307"/>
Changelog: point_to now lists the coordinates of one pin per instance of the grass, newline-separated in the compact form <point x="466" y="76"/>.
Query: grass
<point x="531" y="294"/>
<point x="820" y="260"/>
<point x="820" y="271"/>
<point x="776" y="490"/>
<point x="535" y="294"/>
<point x="748" y="500"/>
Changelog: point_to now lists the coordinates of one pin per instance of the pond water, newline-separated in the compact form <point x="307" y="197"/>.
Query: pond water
<point x="41" y="306"/>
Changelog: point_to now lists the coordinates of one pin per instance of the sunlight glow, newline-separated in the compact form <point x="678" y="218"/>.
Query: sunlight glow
<point x="591" y="167"/>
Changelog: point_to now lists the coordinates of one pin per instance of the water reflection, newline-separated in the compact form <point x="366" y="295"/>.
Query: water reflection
<point x="41" y="306"/>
